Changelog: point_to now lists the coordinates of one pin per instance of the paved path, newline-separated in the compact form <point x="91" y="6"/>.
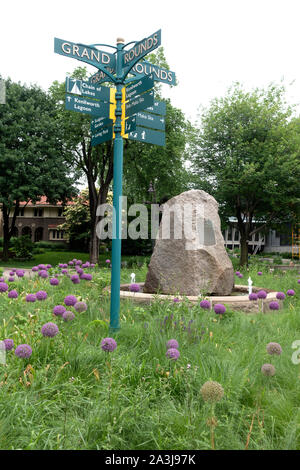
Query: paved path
<point x="6" y="271"/>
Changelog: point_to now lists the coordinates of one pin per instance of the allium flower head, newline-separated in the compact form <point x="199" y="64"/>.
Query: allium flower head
<point x="274" y="305"/>
<point x="274" y="348"/>
<point x="44" y="274"/>
<point x="87" y="277"/>
<point x="268" y="369"/>
<point x="79" y="271"/>
<point x="237" y="273"/>
<point x="20" y="273"/>
<point x="176" y="300"/>
<point x="107" y="261"/>
<point x="50" y="330"/>
<point x="134" y="288"/>
<point x="240" y="275"/>
<point x="9" y="344"/>
<point x="280" y="295"/>
<point x="34" y="269"/>
<point x="291" y="292"/>
<point x="54" y="281"/>
<point x="58" y="310"/>
<point x="219" y="309"/>
<point x="253" y="296"/>
<point x="108" y="344"/>
<point x="23" y="351"/>
<point x="11" y="279"/>
<point x="68" y="315"/>
<point x="3" y="287"/>
<point x="172" y="343"/>
<point x="79" y="262"/>
<point x="30" y="298"/>
<point x="212" y="391"/>
<point x="70" y="300"/>
<point x="259" y="273"/>
<point x="80" y="307"/>
<point x="173" y="354"/>
<point x="42" y="267"/>
<point x="41" y="295"/>
<point x="298" y="281"/>
<point x="262" y="294"/>
<point x="13" y="294"/>
<point x="205" y="304"/>
<point x="75" y="278"/>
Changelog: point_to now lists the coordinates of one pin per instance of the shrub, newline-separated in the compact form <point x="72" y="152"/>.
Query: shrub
<point x="23" y="247"/>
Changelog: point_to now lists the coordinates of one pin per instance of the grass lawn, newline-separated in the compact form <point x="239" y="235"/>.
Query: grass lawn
<point x="70" y="394"/>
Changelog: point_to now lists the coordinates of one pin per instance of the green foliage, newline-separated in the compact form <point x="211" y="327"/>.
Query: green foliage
<point x="23" y="247"/>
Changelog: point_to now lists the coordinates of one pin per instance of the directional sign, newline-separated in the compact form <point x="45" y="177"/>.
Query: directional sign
<point x="148" y="136"/>
<point x="100" y="77"/>
<point x="103" y="135"/>
<point x="99" y="123"/>
<point x="82" y="88"/>
<point x="159" y="74"/>
<point x="139" y="103"/>
<point x="138" y="87"/>
<point x="145" y="120"/>
<point x="84" y="105"/>
<point x="142" y="48"/>
<point x="158" y="107"/>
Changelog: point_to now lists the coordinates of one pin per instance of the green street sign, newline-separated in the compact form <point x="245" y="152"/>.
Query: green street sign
<point x="139" y="103"/>
<point x="159" y="74"/>
<point x="158" y="107"/>
<point x="87" y="54"/>
<point x="103" y="135"/>
<point x="148" y="136"/>
<point x="138" y="87"/>
<point x="146" y="120"/>
<point x="100" y="77"/>
<point x="99" y="123"/>
<point x="84" y="105"/>
<point x="141" y="48"/>
<point x="82" y="88"/>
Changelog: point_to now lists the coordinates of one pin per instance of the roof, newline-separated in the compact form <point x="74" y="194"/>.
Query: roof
<point x="43" y="202"/>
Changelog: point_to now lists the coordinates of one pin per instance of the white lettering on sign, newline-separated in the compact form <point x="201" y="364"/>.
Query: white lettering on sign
<point x="141" y="48"/>
<point x="147" y="69"/>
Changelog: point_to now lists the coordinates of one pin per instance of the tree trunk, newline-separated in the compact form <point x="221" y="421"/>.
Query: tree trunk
<point x="94" y="246"/>
<point x="244" y="251"/>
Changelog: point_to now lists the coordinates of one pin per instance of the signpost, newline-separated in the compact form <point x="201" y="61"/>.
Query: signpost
<point x="115" y="111"/>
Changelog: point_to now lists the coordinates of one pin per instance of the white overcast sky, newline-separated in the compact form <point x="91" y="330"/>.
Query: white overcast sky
<point x="209" y="44"/>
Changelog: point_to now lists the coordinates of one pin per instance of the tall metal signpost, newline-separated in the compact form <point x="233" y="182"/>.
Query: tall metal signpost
<point x="127" y="110"/>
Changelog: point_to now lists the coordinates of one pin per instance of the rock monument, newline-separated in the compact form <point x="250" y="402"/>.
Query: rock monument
<point x="189" y="257"/>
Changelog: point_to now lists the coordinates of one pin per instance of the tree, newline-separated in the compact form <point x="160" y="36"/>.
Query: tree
<point x="247" y="148"/>
<point x="32" y="155"/>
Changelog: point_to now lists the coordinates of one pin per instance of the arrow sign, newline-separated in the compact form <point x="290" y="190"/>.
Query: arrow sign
<point x="148" y="136"/>
<point x="139" y="103"/>
<point x="101" y="136"/>
<point x="140" y="49"/>
<point x="158" y="107"/>
<point x="82" y="88"/>
<point x="138" y="87"/>
<point x="159" y="74"/>
<point x="99" y="123"/>
<point x="84" y="105"/>
<point x="87" y="54"/>
<point x="145" y="120"/>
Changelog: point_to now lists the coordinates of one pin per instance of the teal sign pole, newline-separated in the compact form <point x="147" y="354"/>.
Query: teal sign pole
<point x="117" y="197"/>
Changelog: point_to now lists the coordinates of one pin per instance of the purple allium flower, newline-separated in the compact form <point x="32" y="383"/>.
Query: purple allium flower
<point x="76" y="281"/>
<point x="173" y="354"/>
<point x="134" y="288"/>
<point x="78" y="262"/>
<point x="42" y="266"/>
<point x="107" y="261"/>
<point x="60" y="265"/>
<point x="2" y="279"/>
<point x="268" y="369"/>
<point x="85" y="265"/>
<point x="291" y="292"/>
<point x="41" y="295"/>
<point x="280" y="295"/>
<point x="11" y="279"/>
<point x="30" y="298"/>
<point x="70" y="300"/>
<point x="88" y="277"/>
<point x="74" y="278"/>
<point x="23" y="350"/>
<point x="54" y="281"/>
<point x="92" y="265"/>
<point x="172" y="344"/>
<point x="262" y="294"/>
<point x="34" y="269"/>
<point x="237" y="273"/>
<point x="50" y="329"/>
<point x="259" y="273"/>
<point x="70" y="263"/>
<point x="68" y="315"/>
<point x="80" y="307"/>
<point x="219" y="309"/>
<point x="65" y="266"/>
<point x="49" y="266"/>
<point x="3" y="287"/>
<point x="298" y="281"/>
<point x="240" y="275"/>
<point x="205" y="304"/>
<point x="274" y="305"/>
<point x="44" y="274"/>
<point x="176" y="300"/>
<point x="20" y="273"/>
<point x="253" y="296"/>
<point x="9" y="344"/>
<point x="12" y="294"/>
<point x="58" y="310"/>
<point x="108" y="344"/>
<point x="274" y="348"/>
<point x="12" y="273"/>
<point x="79" y="270"/>
<point x="64" y="271"/>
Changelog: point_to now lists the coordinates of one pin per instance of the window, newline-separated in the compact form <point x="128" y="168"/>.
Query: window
<point x="38" y="212"/>
<point x="56" y="235"/>
<point x="20" y="212"/>
<point x="236" y="236"/>
<point x="60" y="211"/>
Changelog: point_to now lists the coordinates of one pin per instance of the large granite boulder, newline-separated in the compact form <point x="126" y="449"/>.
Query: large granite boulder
<point x="189" y="257"/>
